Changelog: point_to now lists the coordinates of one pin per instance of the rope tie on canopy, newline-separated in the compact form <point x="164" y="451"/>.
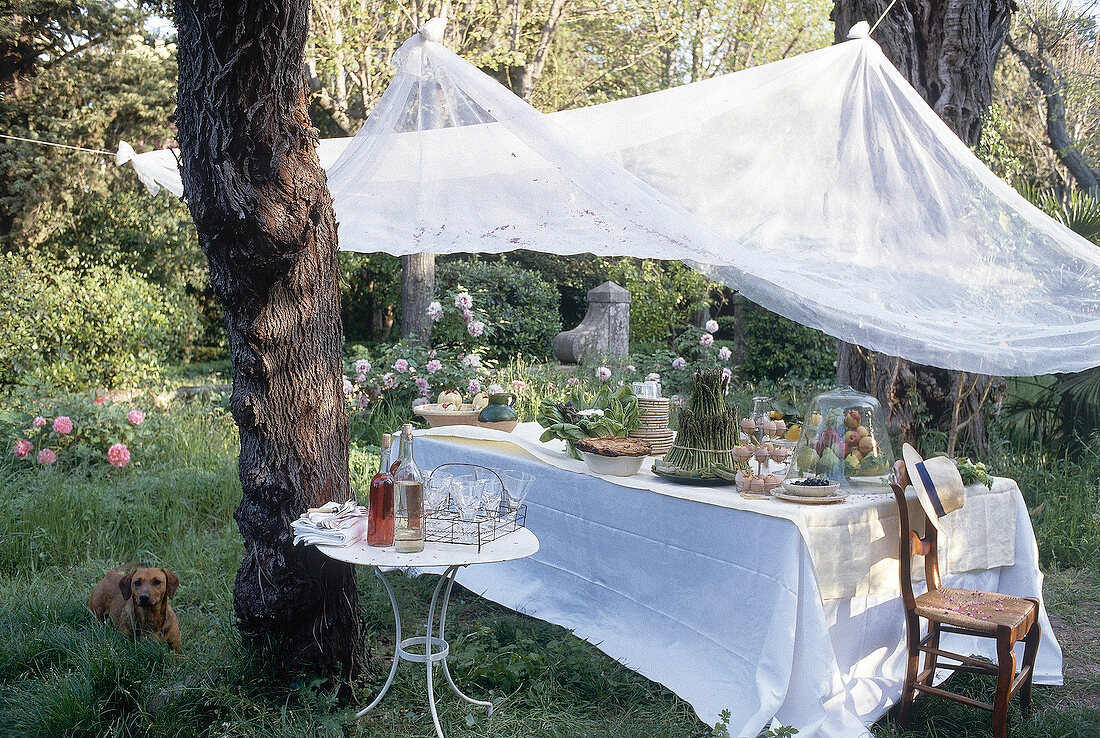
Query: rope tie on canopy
<point x="58" y="145"/>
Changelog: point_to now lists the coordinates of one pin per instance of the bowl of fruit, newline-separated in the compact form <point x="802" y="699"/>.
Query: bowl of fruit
<point x="811" y="487"/>
<point x="449" y="409"/>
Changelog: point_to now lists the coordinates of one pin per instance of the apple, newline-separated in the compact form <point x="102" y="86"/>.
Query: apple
<point x="862" y="431"/>
<point x="866" y="445"/>
<point x="852" y="420"/>
<point x="851" y="438"/>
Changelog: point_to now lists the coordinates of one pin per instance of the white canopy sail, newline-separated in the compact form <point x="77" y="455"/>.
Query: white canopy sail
<point x="820" y="186"/>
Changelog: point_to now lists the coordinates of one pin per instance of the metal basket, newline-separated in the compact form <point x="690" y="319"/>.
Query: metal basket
<point x="445" y="525"/>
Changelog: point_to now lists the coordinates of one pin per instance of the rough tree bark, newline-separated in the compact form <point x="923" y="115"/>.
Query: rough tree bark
<point x="264" y="217"/>
<point x="948" y="51"/>
<point x="417" y="288"/>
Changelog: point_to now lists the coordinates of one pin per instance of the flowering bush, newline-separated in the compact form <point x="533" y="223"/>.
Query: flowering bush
<point x="405" y="374"/>
<point x="77" y="430"/>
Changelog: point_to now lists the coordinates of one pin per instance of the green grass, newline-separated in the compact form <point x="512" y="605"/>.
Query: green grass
<point x="63" y="674"/>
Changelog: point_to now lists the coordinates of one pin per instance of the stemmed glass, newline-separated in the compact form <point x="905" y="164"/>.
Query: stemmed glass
<point x="517" y="484"/>
<point x="466" y="493"/>
<point x="437" y="491"/>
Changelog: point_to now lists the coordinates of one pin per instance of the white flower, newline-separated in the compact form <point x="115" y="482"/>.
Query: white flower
<point x="631" y="368"/>
<point x="603" y="374"/>
<point x="435" y="310"/>
<point x="706" y="340"/>
<point x="495" y="389"/>
<point x="433" y="366"/>
<point x="473" y="387"/>
<point x="653" y="377"/>
<point x="388" y="380"/>
<point x="463" y="300"/>
<point x="679" y="363"/>
<point x="348" y="386"/>
<point x="420" y="401"/>
<point x="362" y="367"/>
<point x="712" y="326"/>
<point x="475" y="328"/>
<point x="471" y="361"/>
<point x="592" y="412"/>
<point x="724" y="353"/>
<point x="360" y="378"/>
<point x="401" y="366"/>
<point x="727" y="373"/>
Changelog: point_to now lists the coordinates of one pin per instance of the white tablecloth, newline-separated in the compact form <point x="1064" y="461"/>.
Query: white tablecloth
<point x="717" y="597"/>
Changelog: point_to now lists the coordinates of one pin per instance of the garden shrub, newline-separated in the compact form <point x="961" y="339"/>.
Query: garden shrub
<point x="520" y="308"/>
<point x="70" y="327"/>
<point x="776" y="348"/>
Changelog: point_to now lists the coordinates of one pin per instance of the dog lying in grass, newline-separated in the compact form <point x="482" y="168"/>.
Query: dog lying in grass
<point x="135" y="598"/>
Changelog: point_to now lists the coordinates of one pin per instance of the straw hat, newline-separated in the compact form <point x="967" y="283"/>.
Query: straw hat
<point x="938" y="483"/>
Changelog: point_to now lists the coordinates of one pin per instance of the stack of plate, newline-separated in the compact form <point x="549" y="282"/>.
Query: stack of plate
<point x="653" y="414"/>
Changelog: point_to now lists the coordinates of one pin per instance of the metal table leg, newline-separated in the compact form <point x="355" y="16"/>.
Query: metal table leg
<point x="435" y="648"/>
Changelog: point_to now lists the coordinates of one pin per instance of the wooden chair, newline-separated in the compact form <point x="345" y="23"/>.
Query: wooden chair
<point x="1003" y="618"/>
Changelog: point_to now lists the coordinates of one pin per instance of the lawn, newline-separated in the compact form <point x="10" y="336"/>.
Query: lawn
<point x="63" y="674"/>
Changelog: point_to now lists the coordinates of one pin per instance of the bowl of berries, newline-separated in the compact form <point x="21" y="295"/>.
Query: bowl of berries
<point x="811" y="487"/>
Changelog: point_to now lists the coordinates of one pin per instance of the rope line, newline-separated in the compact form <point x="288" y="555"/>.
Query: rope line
<point x="888" y="9"/>
<point x="58" y="145"/>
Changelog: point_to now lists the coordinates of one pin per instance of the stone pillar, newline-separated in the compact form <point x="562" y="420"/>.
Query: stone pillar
<point x="605" y="330"/>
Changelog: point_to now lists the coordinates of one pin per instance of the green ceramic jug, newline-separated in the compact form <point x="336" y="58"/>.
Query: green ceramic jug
<point x="499" y="408"/>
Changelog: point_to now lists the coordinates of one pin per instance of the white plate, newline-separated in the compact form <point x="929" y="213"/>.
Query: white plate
<point x="810" y="500"/>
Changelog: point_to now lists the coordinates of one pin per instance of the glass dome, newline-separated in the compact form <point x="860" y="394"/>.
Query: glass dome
<point x="844" y="439"/>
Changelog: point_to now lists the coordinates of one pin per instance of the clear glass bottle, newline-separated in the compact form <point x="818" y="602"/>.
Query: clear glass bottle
<point x="380" y="506"/>
<point x="408" y="498"/>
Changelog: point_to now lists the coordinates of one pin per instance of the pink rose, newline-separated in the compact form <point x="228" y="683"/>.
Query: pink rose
<point x="388" y="380"/>
<point x="571" y="381"/>
<point x="422" y="385"/>
<point x="464" y="301"/>
<point x="362" y="366"/>
<point x="433" y="366"/>
<point x="519" y="385"/>
<point x="118" y="455"/>
<point x="46" y="457"/>
<point x="473" y="387"/>
<point x="679" y="363"/>
<point x="101" y="399"/>
<point x="724" y="353"/>
<point x="401" y="366"/>
<point x="38" y="422"/>
<point x="63" y="424"/>
<point x="712" y="326"/>
<point x="420" y="401"/>
<point x="603" y="373"/>
<point x="135" y="416"/>
<point x="475" y="328"/>
<point x="21" y="448"/>
<point x="727" y="373"/>
<point x="360" y="377"/>
<point x="435" y="311"/>
<point x="706" y="340"/>
<point x="653" y="377"/>
<point x="473" y="361"/>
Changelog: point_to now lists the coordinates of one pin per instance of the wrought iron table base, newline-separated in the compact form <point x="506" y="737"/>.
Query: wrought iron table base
<point x="435" y="648"/>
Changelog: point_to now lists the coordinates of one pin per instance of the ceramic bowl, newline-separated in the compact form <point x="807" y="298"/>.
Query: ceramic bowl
<point x="467" y="415"/>
<point x="798" y="490"/>
<point x="615" y="466"/>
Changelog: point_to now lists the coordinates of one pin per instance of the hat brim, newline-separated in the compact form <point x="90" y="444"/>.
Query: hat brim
<point x="912" y="458"/>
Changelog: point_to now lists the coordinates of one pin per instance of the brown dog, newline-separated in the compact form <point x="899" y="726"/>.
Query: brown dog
<point x="136" y="600"/>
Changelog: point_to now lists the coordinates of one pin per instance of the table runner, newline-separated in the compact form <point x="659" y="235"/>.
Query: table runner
<point x="853" y="543"/>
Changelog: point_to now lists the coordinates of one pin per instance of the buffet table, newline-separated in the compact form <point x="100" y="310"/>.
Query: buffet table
<point x="766" y="608"/>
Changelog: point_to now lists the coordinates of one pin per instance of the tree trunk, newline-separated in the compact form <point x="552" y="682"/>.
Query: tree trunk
<point x="264" y="217"/>
<point x="417" y="287"/>
<point x="948" y="50"/>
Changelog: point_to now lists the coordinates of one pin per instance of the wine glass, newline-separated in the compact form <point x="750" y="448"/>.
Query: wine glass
<point x="437" y="491"/>
<point x="466" y="493"/>
<point x="517" y="484"/>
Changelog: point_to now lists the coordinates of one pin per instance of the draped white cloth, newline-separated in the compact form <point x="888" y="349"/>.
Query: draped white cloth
<point x="821" y="186"/>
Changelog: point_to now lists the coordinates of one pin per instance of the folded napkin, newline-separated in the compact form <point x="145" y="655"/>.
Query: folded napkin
<point x="332" y="524"/>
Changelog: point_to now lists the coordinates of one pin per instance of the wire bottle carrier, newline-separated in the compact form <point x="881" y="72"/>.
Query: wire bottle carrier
<point x="446" y="524"/>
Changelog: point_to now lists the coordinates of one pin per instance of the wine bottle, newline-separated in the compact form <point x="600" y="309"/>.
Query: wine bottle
<point x="408" y="509"/>
<point x="380" y="506"/>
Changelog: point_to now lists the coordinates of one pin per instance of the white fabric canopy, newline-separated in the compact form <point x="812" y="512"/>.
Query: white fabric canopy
<point x="822" y="187"/>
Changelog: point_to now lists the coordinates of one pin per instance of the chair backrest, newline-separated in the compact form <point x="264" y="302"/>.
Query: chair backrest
<point x="911" y="544"/>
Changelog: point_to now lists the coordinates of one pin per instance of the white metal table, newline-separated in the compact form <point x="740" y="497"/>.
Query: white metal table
<point x="452" y="556"/>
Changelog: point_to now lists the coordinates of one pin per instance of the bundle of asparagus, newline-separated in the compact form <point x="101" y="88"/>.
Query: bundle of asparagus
<point x="708" y="431"/>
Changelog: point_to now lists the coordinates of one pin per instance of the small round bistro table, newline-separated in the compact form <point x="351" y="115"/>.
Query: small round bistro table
<point x="452" y="556"/>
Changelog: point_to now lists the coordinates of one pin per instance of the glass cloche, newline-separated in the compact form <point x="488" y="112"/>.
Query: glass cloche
<point x="843" y="439"/>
